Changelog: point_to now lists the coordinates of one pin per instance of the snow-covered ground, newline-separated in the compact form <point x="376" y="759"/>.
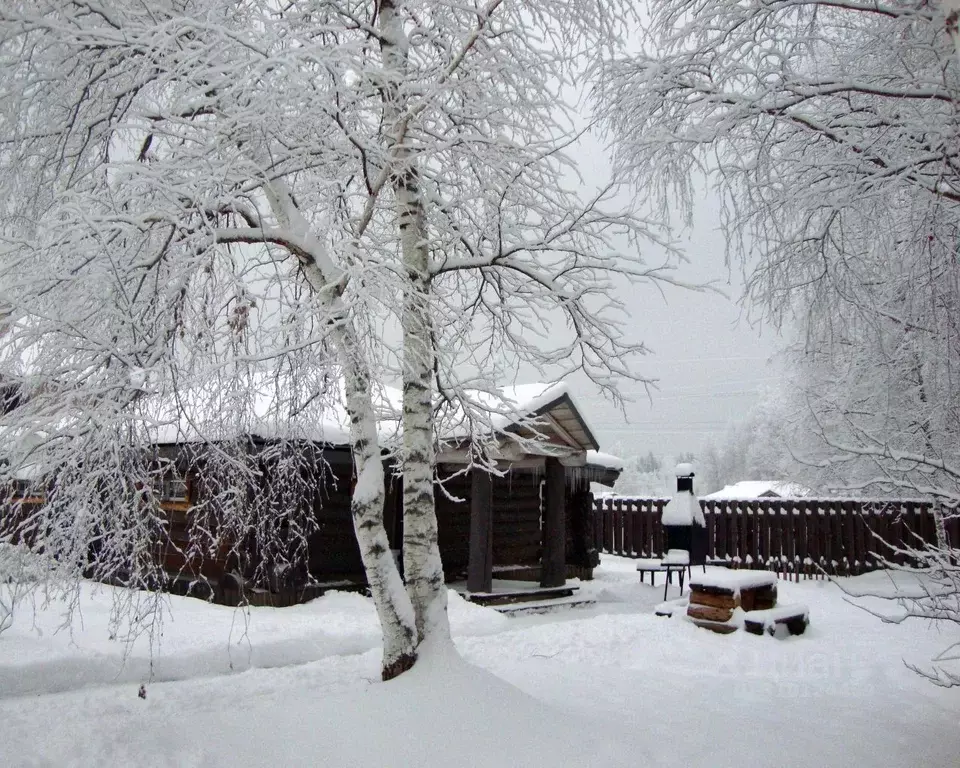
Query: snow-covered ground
<point x="609" y="685"/>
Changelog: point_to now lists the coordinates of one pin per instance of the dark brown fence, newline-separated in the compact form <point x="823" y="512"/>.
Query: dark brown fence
<point x="796" y="537"/>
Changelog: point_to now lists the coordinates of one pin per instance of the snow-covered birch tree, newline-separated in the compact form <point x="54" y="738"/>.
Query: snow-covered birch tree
<point x="197" y="193"/>
<point x="506" y="262"/>
<point x="831" y="131"/>
<point x="160" y="165"/>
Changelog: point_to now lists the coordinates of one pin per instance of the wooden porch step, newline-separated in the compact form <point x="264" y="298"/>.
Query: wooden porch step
<point x="545" y="606"/>
<point x="511" y="596"/>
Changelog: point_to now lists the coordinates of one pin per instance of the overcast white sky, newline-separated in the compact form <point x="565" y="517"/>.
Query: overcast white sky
<point x="711" y="360"/>
<point x="711" y="366"/>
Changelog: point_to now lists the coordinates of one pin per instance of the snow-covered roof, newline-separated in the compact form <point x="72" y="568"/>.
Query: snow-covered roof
<point x="269" y="408"/>
<point x="16" y="447"/>
<point x="264" y="406"/>
<point x="515" y="405"/>
<point x="604" y="461"/>
<point x="603" y="468"/>
<point x="755" y="489"/>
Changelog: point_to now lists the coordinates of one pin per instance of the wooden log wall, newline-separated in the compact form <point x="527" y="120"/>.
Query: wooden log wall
<point x="333" y="548"/>
<point x="185" y="549"/>
<point x="453" y="524"/>
<point x="516" y="519"/>
<point x="796" y="537"/>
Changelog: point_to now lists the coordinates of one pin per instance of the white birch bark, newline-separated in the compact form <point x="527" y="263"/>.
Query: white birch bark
<point x="393" y="606"/>
<point x="423" y="569"/>
<point x="394" y="609"/>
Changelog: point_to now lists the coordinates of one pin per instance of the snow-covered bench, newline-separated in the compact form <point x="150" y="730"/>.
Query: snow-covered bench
<point x="794" y="617"/>
<point x="749" y="590"/>
<point x="716" y="597"/>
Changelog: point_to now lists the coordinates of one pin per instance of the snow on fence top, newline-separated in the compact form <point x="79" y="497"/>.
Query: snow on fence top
<point x="756" y="489"/>
<point x="734" y="580"/>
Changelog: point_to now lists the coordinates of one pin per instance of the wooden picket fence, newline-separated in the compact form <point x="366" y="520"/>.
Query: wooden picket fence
<point x="794" y="537"/>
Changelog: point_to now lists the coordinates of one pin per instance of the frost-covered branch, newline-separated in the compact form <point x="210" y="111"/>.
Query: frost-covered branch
<point x="830" y="131"/>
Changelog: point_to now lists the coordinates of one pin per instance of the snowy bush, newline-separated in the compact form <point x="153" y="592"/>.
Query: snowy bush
<point x="20" y="569"/>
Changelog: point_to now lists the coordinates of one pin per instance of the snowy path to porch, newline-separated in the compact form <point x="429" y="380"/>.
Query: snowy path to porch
<point x="606" y="685"/>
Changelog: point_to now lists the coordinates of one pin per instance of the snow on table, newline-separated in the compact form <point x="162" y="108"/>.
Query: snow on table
<point x="734" y="581"/>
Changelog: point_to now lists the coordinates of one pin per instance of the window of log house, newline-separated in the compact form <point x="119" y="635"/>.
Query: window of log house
<point x="22" y="489"/>
<point x="172" y="485"/>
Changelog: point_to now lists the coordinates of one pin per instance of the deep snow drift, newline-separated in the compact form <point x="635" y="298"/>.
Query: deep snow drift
<point x="610" y="685"/>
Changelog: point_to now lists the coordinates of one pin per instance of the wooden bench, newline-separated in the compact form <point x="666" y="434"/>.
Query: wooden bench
<point x="794" y="618"/>
<point x="650" y="565"/>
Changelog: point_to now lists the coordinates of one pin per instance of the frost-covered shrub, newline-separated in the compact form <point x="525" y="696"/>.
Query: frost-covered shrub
<point x="20" y="570"/>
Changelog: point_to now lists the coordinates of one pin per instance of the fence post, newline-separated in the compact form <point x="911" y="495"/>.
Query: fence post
<point x="643" y="542"/>
<point x="860" y="541"/>
<point x="802" y="543"/>
<point x="710" y="519"/>
<point x="818" y="536"/>
<point x="882" y="533"/>
<point x="776" y="551"/>
<point x="741" y="536"/>
<point x="598" y="524"/>
<point x="830" y="555"/>
<point x="720" y="529"/>
<point x="618" y="526"/>
<point x="750" y="511"/>
<point x="608" y="527"/>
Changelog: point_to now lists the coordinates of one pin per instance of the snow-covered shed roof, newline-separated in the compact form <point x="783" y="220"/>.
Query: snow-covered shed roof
<point x="603" y="468"/>
<point x="532" y="411"/>
<point x="264" y="406"/>
<point x="605" y="461"/>
<point x="269" y="408"/>
<point x="757" y="489"/>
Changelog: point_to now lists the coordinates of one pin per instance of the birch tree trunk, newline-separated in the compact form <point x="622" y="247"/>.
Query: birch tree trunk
<point x="393" y="606"/>
<point x="421" y="554"/>
<point x="423" y="569"/>
<point x="394" y="609"/>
